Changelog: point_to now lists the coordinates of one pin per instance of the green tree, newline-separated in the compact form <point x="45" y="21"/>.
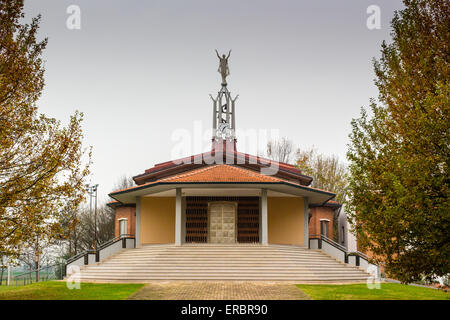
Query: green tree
<point x="328" y="172"/>
<point x="399" y="151"/>
<point x="41" y="161"/>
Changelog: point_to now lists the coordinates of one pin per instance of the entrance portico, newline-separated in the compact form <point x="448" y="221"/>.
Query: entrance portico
<point x="204" y="206"/>
<point x="201" y="216"/>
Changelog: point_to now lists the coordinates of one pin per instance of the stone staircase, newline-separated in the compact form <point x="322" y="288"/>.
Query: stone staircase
<point x="222" y="262"/>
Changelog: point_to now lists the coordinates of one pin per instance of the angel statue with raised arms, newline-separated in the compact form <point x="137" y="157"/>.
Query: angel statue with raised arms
<point x="223" y="66"/>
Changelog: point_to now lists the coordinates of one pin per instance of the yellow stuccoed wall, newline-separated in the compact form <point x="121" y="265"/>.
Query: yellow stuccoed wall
<point x="157" y="220"/>
<point x="285" y="220"/>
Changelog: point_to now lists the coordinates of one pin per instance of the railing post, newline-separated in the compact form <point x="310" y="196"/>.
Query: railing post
<point x="357" y="260"/>
<point x="86" y="258"/>
<point x="97" y="256"/>
<point x="124" y="243"/>
<point x="320" y="243"/>
<point x="345" y="257"/>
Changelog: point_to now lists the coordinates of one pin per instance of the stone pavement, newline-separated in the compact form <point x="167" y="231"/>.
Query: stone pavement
<point x="218" y="290"/>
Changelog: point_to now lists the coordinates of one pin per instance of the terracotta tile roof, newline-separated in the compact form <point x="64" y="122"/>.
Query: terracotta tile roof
<point x="213" y="173"/>
<point x="221" y="173"/>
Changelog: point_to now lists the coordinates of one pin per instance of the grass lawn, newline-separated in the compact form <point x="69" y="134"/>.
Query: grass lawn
<point x="57" y="290"/>
<point x="388" y="291"/>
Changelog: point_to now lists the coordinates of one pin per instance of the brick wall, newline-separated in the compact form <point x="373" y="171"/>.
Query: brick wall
<point x="321" y="213"/>
<point x="128" y="213"/>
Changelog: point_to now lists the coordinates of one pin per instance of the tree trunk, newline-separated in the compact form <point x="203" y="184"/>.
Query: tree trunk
<point x="37" y="262"/>
<point x="70" y="242"/>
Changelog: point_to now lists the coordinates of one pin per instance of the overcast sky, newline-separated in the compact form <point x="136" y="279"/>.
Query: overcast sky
<point x="140" y="70"/>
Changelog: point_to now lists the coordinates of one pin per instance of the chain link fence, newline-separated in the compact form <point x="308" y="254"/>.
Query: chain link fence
<point x="19" y="277"/>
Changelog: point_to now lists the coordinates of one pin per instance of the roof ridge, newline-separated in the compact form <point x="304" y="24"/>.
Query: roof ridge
<point x="260" y="160"/>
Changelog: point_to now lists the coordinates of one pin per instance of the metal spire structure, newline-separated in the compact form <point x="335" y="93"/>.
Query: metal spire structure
<point x="224" y="111"/>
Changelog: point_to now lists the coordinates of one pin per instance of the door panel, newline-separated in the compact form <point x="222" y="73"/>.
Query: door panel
<point x="222" y="223"/>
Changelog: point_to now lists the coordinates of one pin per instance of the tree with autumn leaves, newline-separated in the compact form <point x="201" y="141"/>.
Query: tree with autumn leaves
<point x="399" y="153"/>
<point x="42" y="163"/>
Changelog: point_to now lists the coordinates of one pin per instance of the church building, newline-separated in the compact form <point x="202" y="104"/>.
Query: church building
<point x="223" y="196"/>
<point x="222" y="215"/>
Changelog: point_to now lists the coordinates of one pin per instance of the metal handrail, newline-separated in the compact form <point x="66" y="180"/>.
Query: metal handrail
<point x="340" y="247"/>
<point x="101" y="247"/>
<point x="359" y="253"/>
<point x="79" y="255"/>
<point x="114" y="240"/>
<point x="332" y="242"/>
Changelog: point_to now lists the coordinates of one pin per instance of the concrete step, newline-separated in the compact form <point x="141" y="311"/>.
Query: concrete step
<point x="222" y="262"/>
<point x="199" y="249"/>
<point x="194" y="262"/>
<point x="235" y="269"/>
<point x="218" y="253"/>
<point x="224" y="248"/>
<point x="265" y="273"/>
<point x="159" y="264"/>
<point x="232" y="274"/>
<point x="234" y="278"/>
<point x="205" y="248"/>
<point x="223" y="254"/>
<point x="221" y="257"/>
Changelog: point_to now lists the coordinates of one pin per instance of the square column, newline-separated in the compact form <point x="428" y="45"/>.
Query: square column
<point x="306" y="222"/>
<point x="264" y="229"/>
<point x="183" y="219"/>
<point x="138" y="222"/>
<point x="178" y="229"/>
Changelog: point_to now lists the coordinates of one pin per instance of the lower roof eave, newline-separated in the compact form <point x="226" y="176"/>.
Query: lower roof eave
<point x="315" y="196"/>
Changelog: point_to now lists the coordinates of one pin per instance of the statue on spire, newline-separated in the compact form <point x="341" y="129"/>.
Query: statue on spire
<point x="223" y="67"/>
<point x="224" y="122"/>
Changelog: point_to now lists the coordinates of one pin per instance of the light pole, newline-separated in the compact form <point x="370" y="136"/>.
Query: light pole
<point x="92" y="190"/>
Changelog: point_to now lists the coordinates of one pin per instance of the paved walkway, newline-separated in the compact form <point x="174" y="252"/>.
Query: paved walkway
<point x="218" y="290"/>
